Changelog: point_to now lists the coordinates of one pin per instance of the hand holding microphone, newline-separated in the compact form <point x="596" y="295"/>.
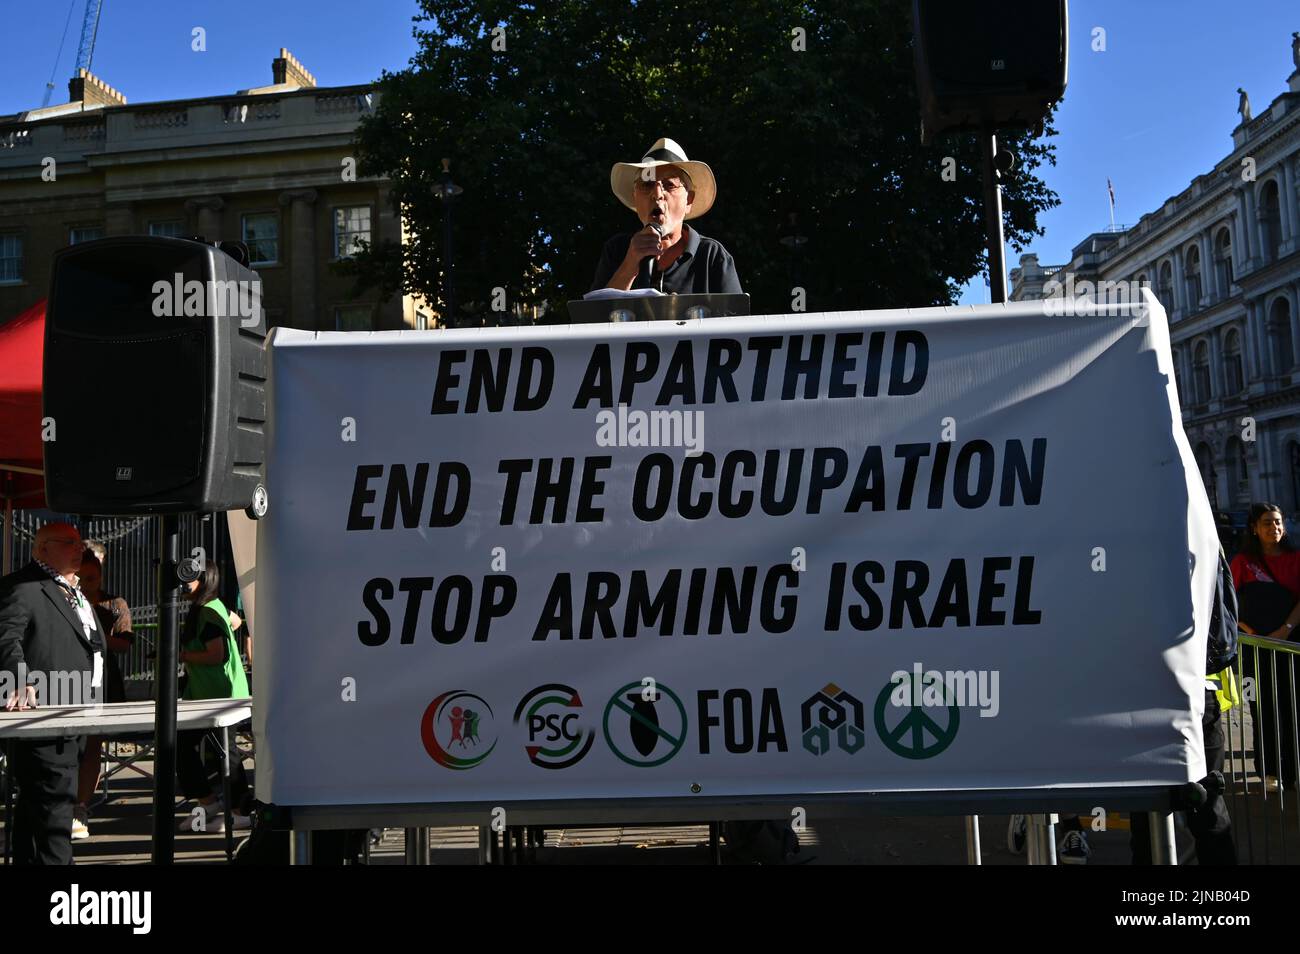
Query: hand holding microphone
<point x="645" y="247"/>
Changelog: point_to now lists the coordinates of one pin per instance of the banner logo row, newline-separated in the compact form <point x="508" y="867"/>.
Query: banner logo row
<point x="916" y="715"/>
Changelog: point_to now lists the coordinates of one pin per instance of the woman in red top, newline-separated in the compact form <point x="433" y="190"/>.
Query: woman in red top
<point x="1266" y="575"/>
<point x="1267" y="556"/>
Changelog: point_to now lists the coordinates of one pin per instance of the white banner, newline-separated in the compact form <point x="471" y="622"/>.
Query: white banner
<point x="242" y="530"/>
<point x="938" y="549"/>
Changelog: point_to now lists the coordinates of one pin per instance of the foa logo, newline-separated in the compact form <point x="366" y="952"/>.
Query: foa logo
<point x="124" y="473"/>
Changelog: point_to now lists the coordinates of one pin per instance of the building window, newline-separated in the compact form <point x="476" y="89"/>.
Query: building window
<point x="1223" y="260"/>
<point x="1270" y="218"/>
<point x="11" y="258"/>
<point x="262" y="236"/>
<point x="1238" y="478"/>
<point x="1165" y="288"/>
<point x="1201" y="374"/>
<point x="85" y="233"/>
<point x="1232" y="363"/>
<point x="173" y="228"/>
<point x="1294" y="455"/>
<point x="353" y="318"/>
<point x="1279" y="336"/>
<point x="351" y="228"/>
<point x="1192" y="278"/>
<point x="1180" y="378"/>
<point x="1205" y="462"/>
<point x="421" y="321"/>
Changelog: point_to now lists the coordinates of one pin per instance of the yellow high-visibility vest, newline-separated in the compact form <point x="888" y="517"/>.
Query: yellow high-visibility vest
<point x="1227" y="693"/>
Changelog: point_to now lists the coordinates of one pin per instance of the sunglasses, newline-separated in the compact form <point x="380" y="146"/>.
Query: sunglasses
<point x="670" y="186"/>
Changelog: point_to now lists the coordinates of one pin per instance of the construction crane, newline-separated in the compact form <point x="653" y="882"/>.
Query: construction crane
<point x="86" y="50"/>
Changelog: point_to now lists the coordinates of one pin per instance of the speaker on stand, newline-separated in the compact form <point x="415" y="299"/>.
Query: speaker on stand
<point x="155" y="387"/>
<point x="981" y="67"/>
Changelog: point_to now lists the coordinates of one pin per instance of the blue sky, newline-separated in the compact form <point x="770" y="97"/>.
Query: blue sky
<point x="1153" y="111"/>
<point x="143" y="47"/>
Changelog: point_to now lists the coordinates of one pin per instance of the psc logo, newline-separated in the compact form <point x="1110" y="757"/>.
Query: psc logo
<point x="458" y="729"/>
<point x="552" y="718"/>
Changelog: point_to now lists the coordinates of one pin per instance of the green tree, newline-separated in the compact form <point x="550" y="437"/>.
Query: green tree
<point x="830" y="132"/>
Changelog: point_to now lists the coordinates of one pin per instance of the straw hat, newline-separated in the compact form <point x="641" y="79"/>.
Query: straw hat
<point x="665" y="152"/>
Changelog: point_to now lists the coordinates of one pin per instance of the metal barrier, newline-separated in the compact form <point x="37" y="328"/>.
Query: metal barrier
<point x="1262" y="744"/>
<point x="131" y="566"/>
<point x="1262" y="752"/>
<point x="1261" y="755"/>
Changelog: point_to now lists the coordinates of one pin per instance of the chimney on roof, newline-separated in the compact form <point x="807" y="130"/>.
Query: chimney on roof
<point x="89" y="90"/>
<point x="285" y="68"/>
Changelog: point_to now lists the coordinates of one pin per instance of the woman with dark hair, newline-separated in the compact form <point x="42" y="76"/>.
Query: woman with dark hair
<point x="1266" y="574"/>
<point x="213" y="670"/>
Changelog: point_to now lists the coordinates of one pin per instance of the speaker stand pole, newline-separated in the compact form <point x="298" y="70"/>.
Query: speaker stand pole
<point x="164" y="748"/>
<point x="993" y="219"/>
<point x="997" y="295"/>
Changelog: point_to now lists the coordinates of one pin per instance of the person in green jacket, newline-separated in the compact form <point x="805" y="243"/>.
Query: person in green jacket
<point x="213" y="670"/>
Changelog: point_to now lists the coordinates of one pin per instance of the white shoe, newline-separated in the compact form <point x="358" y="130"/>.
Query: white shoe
<point x="79" y="830"/>
<point x="209" y="814"/>
<point x="1017" y="834"/>
<point x="240" y="823"/>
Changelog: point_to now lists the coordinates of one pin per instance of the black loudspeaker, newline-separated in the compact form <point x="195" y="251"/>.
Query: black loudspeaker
<point x="155" y="379"/>
<point x="991" y="65"/>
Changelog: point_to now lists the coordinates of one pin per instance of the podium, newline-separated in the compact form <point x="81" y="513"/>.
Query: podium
<point x="656" y="308"/>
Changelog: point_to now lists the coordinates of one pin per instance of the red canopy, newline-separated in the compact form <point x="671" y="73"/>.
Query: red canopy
<point x="22" y="343"/>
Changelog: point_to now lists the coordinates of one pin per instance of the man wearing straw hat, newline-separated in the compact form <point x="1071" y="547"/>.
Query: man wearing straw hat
<point x="665" y="189"/>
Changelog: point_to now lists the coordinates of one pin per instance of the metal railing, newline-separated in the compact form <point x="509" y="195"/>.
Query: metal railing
<point x="1263" y="751"/>
<point x="131" y="567"/>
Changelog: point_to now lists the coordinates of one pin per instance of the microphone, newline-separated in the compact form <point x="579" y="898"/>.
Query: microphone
<point x="647" y="263"/>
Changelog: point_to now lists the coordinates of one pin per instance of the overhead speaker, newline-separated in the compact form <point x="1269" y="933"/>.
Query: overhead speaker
<point x="999" y="64"/>
<point x="155" y="379"/>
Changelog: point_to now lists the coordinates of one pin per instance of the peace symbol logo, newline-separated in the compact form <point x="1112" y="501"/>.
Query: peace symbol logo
<point x="908" y="736"/>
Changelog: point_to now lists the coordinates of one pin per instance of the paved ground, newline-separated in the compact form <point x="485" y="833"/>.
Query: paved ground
<point x="121" y="830"/>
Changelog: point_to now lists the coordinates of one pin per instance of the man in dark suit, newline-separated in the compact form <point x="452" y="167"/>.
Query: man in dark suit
<point x="51" y="653"/>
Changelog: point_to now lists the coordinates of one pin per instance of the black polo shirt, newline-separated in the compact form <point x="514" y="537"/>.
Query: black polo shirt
<point x="703" y="267"/>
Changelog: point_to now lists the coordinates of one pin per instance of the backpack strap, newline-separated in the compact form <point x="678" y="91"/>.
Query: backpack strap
<point x="1221" y="638"/>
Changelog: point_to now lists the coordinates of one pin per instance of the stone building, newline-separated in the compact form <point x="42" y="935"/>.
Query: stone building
<point x="1223" y="257"/>
<point x="272" y="166"/>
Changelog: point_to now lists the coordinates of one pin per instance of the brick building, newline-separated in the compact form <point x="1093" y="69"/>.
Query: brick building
<point x="272" y="166"/>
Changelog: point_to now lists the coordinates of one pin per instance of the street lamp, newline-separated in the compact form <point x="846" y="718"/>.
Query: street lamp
<point x="446" y="191"/>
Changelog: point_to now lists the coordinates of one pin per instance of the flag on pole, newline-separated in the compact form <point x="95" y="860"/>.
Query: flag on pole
<point x="1111" y="189"/>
